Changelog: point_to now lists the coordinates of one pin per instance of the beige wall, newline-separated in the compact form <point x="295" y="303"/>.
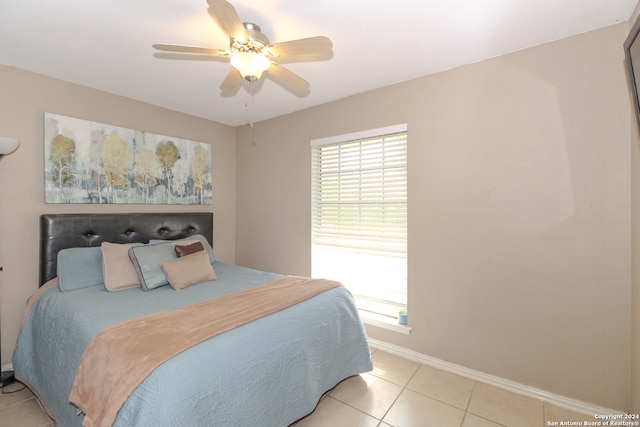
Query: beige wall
<point x="519" y="211"/>
<point x="635" y="228"/>
<point x="25" y="98"/>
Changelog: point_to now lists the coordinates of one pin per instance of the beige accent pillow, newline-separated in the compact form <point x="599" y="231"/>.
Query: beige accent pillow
<point x="188" y="270"/>
<point x="117" y="269"/>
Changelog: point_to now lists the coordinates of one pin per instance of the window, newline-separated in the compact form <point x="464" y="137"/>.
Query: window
<point x="359" y="216"/>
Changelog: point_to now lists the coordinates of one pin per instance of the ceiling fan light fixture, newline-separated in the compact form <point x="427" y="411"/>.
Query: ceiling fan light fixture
<point x="251" y="65"/>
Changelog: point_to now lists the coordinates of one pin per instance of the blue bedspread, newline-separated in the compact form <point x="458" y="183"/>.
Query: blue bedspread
<point x="269" y="372"/>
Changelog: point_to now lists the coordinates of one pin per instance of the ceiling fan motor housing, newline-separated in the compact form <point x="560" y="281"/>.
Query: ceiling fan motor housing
<point x="257" y="41"/>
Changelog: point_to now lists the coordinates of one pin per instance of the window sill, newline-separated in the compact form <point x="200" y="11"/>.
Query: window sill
<point x="384" y="322"/>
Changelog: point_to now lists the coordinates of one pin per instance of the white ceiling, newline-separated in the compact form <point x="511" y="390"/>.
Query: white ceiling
<point x="107" y="44"/>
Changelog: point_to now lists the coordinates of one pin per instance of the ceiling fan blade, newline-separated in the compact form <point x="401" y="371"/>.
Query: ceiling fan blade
<point x="289" y="79"/>
<point x="226" y="15"/>
<point x="319" y="45"/>
<point x="189" y="49"/>
<point x="181" y="56"/>
<point x="232" y="80"/>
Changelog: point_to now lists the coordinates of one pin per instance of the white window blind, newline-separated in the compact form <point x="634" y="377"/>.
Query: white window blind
<point x="359" y="215"/>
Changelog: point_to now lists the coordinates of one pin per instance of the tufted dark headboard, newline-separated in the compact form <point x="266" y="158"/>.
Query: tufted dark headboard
<point x="61" y="231"/>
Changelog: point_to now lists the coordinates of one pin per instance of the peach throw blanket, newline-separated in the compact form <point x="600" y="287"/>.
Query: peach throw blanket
<point x="122" y="356"/>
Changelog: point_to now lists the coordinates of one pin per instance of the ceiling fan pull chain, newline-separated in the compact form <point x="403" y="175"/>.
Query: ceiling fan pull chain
<point x="251" y="106"/>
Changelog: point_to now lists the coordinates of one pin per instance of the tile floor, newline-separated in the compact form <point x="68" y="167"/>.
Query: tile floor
<point x="398" y="392"/>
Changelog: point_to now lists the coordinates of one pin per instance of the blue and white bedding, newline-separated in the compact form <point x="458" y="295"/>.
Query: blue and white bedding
<point x="269" y="372"/>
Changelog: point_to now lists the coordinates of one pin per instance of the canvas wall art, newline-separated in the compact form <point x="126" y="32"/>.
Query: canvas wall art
<point x="89" y="162"/>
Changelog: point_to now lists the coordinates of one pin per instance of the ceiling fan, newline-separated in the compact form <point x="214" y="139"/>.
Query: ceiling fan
<point x="251" y="53"/>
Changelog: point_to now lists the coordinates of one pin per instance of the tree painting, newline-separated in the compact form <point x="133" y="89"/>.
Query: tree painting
<point x="115" y="158"/>
<point x="167" y="154"/>
<point x="62" y="157"/>
<point x="200" y="176"/>
<point x="146" y="170"/>
<point x="89" y="162"/>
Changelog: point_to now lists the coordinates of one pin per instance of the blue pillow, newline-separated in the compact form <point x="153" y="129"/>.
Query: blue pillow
<point x="146" y="260"/>
<point x="195" y="238"/>
<point x="79" y="268"/>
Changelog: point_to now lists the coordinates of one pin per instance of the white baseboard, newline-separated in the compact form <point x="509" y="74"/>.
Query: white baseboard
<point x="8" y="367"/>
<point x="505" y="384"/>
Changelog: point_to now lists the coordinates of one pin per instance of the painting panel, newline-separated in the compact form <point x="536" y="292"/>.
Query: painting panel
<point x="90" y="162"/>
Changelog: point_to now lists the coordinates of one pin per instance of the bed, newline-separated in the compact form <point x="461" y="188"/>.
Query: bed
<point x="269" y="371"/>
